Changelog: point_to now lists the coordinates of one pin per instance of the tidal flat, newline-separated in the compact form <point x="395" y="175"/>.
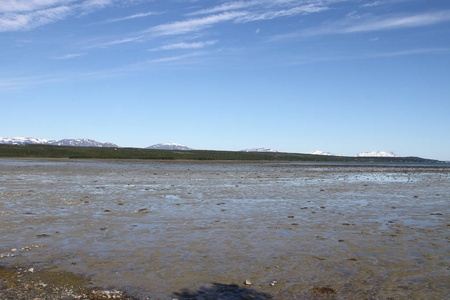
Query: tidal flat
<point x="222" y="230"/>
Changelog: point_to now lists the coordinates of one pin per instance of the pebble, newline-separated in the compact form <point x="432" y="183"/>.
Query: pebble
<point x="273" y="283"/>
<point x="31" y="270"/>
<point x="247" y="282"/>
<point x="13" y="250"/>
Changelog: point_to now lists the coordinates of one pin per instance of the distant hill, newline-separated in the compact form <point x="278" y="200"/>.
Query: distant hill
<point x="64" y="142"/>
<point x="169" y="146"/>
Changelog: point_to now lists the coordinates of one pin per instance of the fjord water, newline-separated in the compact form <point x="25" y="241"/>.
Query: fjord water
<point x="160" y="229"/>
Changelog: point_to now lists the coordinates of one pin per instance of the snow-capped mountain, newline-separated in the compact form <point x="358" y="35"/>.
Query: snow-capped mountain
<point x="377" y="154"/>
<point x="320" y="152"/>
<point x="82" y="143"/>
<point x="259" y="150"/>
<point x="65" y="142"/>
<point x="21" y="140"/>
<point x="169" y="146"/>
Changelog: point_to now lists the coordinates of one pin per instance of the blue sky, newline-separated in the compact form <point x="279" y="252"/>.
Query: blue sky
<point x="343" y="76"/>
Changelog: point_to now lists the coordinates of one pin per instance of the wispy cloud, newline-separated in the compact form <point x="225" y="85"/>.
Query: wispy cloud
<point x="396" y="22"/>
<point x="304" y="9"/>
<point x="8" y="83"/>
<point x="370" y="4"/>
<point x="412" y="52"/>
<point x="176" y="58"/>
<point x="310" y="59"/>
<point x="14" y="22"/>
<point x="120" y="41"/>
<point x="69" y="56"/>
<point x="16" y="15"/>
<point x="225" y="7"/>
<point x="367" y="23"/>
<point x="135" y="16"/>
<point x="9" y="6"/>
<point x="28" y="81"/>
<point x="184" y="45"/>
<point x="182" y="27"/>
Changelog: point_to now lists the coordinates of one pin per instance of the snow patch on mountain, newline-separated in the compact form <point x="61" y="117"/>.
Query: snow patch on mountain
<point x="259" y="150"/>
<point x="377" y="154"/>
<point x="21" y="140"/>
<point x="320" y="152"/>
<point x="169" y="146"/>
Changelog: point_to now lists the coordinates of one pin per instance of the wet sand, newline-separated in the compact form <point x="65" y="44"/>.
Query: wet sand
<point x="200" y="230"/>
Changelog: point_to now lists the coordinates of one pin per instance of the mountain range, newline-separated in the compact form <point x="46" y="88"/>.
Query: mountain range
<point x="65" y="142"/>
<point x="162" y="146"/>
<point x="169" y="146"/>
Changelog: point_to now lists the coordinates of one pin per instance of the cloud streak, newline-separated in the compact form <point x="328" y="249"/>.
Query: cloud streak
<point x="184" y="45"/>
<point x="370" y="23"/>
<point x="18" y="15"/>
<point x="135" y="16"/>
<point x="397" y="22"/>
<point x="69" y="56"/>
<point x="191" y="25"/>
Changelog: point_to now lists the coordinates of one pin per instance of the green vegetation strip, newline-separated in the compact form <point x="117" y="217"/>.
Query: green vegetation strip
<point x="47" y="151"/>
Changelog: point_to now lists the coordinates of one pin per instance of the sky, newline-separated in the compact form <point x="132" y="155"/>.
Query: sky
<point x="342" y="76"/>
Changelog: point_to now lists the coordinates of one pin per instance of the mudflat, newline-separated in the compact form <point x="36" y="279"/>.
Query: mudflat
<point x="82" y="229"/>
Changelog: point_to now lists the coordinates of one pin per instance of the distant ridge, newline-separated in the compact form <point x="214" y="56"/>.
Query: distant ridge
<point x="65" y="142"/>
<point x="259" y="150"/>
<point x="169" y="146"/>
<point x="82" y="143"/>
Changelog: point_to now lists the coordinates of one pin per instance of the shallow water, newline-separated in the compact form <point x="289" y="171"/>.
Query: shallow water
<point x="161" y="229"/>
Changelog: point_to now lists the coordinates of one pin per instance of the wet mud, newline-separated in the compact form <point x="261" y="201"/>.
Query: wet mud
<point x="221" y="230"/>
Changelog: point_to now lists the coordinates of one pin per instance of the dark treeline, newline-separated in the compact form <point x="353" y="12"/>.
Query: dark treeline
<point x="47" y="151"/>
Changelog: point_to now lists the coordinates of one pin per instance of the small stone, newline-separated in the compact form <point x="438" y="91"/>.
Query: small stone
<point x="13" y="250"/>
<point x="273" y="283"/>
<point x="247" y="282"/>
<point x="31" y="270"/>
<point x="42" y="235"/>
<point x="290" y="217"/>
